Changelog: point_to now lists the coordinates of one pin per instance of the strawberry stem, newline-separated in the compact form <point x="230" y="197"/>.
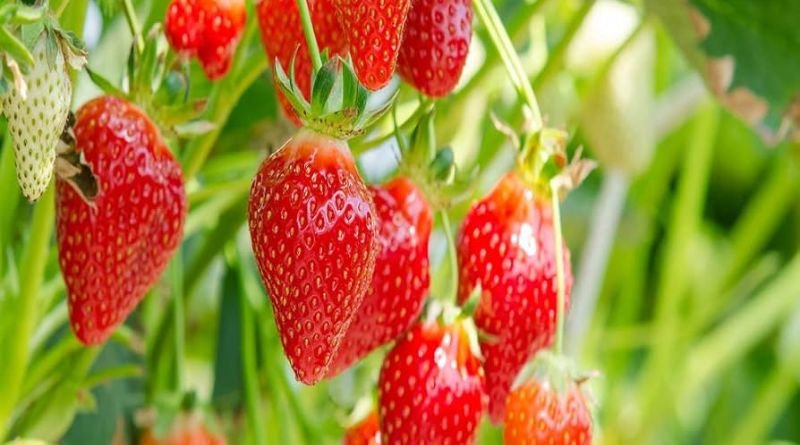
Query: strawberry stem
<point x="308" y="30"/>
<point x="178" y="319"/>
<point x="360" y="145"/>
<point x="499" y="36"/>
<point x="452" y="288"/>
<point x="558" y="239"/>
<point x="31" y="273"/>
<point x="133" y="24"/>
<point x="255" y="413"/>
<point x="58" y="6"/>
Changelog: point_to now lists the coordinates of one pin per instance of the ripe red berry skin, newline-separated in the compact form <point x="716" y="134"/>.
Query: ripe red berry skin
<point x="314" y="235"/>
<point x="224" y="26"/>
<point x="183" y="26"/>
<point x="431" y="388"/>
<point x="366" y="432"/>
<point x="537" y="413"/>
<point x="207" y="29"/>
<point x="506" y="246"/>
<point x="435" y="45"/>
<point x="374" y="30"/>
<point x="187" y="430"/>
<point x="283" y="39"/>
<point x="401" y="279"/>
<point x="114" y="249"/>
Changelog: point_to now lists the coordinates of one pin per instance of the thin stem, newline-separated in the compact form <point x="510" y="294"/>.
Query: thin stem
<point x="115" y="373"/>
<point x="255" y="414"/>
<point x="179" y="319"/>
<point x="594" y="258"/>
<point x="58" y="6"/>
<point x="497" y="32"/>
<point x="224" y="96"/>
<point x="31" y="275"/>
<point x="46" y="363"/>
<point x="558" y="239"/>
<point x="775" y="392"/>
<point x="308" y="30"/>
<point x="452" y="291"/>
<point x="556" y="58"/>
<point x="133" y="24"/>
<point x="358" y="147"/>
<point x="673" y="279"/>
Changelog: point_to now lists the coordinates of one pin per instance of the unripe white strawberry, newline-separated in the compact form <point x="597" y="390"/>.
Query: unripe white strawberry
<point x="36" y="117"/>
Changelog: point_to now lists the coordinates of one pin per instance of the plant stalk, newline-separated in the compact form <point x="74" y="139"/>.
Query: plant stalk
<point x="12" y="373"/>
<point x="179" y="319"/>
<point x="558" y="239"/>
<point x="255" y="413"/>
<point x="308" y="31"/>
<point x="499" y="36"/>
<point x="133" y="24"/>
<point x="452" y="288"/>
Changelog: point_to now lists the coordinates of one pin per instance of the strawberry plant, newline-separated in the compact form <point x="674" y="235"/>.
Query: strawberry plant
<point x="399" y="222"/>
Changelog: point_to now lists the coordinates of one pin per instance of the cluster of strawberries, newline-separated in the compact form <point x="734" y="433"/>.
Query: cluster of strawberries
<point x="345" y="265"/>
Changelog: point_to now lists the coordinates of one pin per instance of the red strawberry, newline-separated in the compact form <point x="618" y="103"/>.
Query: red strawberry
<point x="537" y="413"/>
<point x="506" y="247"/>
<point x="314" y="234"/>
<point x="374" y="30"/>
<point x="208" y="29"/>
<point x="366" y="432"/>
<point x="401" y="279"/>
<point x="435" y="45"/>
<point x="283" y="38"/>
<point x="183" y="25"/>
<point x="431" y="388"/>
<point x="113" y="248"/>
<point x="188" y="429"/>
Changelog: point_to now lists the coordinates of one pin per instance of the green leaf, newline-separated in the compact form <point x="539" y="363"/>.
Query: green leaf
<point x="747" y="54"/>
<point x="29" y="34"/>
<point x="194" y="128"/>
<point x="109" y="7"/>
<point x="323" y="84"/>
<point x="104" y="84"/>
<point x="350" y="86"/>
<point x="16" y="49"/>
<point x="26" y="14"/>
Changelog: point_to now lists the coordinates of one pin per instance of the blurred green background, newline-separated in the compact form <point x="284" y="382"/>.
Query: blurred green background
<point x="684" y="241"/>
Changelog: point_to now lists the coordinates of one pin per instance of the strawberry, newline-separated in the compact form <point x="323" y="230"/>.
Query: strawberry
<point x="37" y="119"/>
<point x="188" y="429"/>
<point x="183" y="25"/>
<point x="283" y="38"/>
<point x="536" y="412"/>
<point x="506" y="247"/>
<point x="314" y="235"/>
<point x="374" y="31"/>
<point x="207" y="29"/>
<point x="431" y="387"/>
<point x="435" y="45"/>
<point x="113" y="246"/>
<point x="366" y="432"/>
<point x="401" y="279"/>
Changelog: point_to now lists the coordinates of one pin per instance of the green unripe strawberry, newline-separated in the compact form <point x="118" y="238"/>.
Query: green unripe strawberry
<point x="37" y="112"/>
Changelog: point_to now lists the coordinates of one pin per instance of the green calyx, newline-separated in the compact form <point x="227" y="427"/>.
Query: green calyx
<point x="432" y="168"/>
<point x="15" y="55"/>
<point x="21" y="28"/>
<point x="163" y="92"/>
<point x="559" y="371"/>
<point x="338" y="105"/>
<point x="543" y="162"/>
